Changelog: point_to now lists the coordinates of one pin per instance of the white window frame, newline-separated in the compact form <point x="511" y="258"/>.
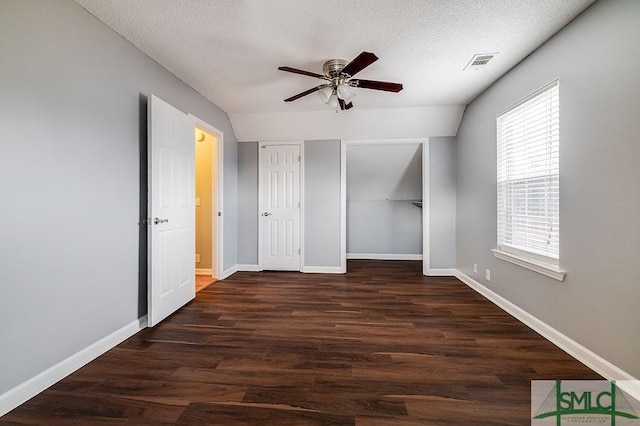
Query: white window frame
<point x="546" y="265"/>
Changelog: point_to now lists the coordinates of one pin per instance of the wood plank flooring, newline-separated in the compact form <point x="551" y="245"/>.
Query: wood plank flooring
<point x="203" y="281"/>
<point x="381" y="345"/>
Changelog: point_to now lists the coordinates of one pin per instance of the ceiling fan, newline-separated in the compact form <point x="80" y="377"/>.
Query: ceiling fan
<point x="338" y="74"/>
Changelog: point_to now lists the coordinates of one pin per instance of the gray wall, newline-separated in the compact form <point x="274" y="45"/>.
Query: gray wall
<point x="322" y="203"/>
<point x="597" y="60"/>
<point x="383" y="227"/>
<point x="442" y="202"/>
<point x="248" y="203"/>
<point x="403" y="235"/>
<point x="73" y="101"/>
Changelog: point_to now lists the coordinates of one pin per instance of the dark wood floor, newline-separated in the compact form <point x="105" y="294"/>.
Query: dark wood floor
<point x="381" y="345"/>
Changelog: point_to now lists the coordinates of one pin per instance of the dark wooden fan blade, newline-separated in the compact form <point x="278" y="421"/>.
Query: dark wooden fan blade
<point x="378" y="85"/>
<point x="305" y="93"/>
<point x="303" y="72"/>
<point x="344" y="106"/>
<point x="362" y="61"/>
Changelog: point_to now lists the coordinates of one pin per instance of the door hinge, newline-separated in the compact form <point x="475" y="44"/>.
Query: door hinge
<point x="299" y="251"/>
<point x="299" y="158"/>
<point x="219" y="213"/>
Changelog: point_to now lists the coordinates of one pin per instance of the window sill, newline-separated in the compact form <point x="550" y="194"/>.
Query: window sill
<point x="543" y="268"/>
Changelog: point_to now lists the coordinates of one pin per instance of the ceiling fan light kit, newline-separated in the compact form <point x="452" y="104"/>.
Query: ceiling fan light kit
<point x="344" y="91"/>
<point x="325" y="93"/>
<point x="338" y="90"/>
<point x="333" y="101"/>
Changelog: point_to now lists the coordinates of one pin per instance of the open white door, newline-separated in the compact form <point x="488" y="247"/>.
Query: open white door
<point x="279" y="220"/>
<point x="171" y="227"/>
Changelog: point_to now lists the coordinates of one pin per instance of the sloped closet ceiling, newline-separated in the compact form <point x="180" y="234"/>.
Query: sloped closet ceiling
<point x="384" y="172"/>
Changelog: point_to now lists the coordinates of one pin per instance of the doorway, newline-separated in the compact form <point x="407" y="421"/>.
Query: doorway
<point x="385" y="215"/>
<point x="208" y="204"/>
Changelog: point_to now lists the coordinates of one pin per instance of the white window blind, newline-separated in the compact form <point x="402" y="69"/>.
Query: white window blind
<point x="528" y="176"/>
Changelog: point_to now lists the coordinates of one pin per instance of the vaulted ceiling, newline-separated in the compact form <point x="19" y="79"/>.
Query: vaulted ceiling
<point x="229" y="50"/>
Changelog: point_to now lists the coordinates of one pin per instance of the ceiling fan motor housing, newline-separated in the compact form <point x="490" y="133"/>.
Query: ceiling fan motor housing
<point x="332" y="67"/>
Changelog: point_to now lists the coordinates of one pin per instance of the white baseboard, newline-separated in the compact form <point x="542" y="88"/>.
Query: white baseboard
<point x="228" y="272"/>
<point x="204" y="271"/>
<point x="434" y="272"/>
<point x="323" y="270"/>
<point x="383" y="256"/>
<point x="248" y="268"/>
<point x="27" y="390"/>
<point x="305" y="269"/>
<point x="570" y="346"/>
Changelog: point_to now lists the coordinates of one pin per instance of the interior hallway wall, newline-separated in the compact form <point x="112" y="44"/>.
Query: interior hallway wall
<point x="322" y="203"/>
<point x="248" y="203"/>
<point x="442" y="202"/>
<point x="73" y="114"/>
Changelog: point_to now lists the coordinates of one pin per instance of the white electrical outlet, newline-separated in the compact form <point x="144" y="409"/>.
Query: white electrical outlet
<point x="197" y="258"/>
<point x="475" y="268"/>
<point x="487" y="274"/>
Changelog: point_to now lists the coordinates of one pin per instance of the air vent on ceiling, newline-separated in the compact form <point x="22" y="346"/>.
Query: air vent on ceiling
<point x="479" y="61"/>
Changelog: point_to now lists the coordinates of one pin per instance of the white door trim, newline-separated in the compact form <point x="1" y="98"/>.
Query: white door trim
<point x="426" y="210"/>
<point x="425" y="193"/>
<point x="218" y="198"/>
<point x="260" y="207"/>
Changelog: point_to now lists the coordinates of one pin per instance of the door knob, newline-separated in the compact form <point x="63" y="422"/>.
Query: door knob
<point x="266" y="214"/>
<point x="158" y="221"/>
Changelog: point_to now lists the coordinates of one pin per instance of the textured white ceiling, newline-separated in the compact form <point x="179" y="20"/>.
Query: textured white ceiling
<point x="229" y="50"/>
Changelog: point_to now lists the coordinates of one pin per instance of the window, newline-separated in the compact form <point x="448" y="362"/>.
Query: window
<point x="528" y="142"/>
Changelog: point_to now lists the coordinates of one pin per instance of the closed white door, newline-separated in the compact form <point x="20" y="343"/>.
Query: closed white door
<point x="280" y="207"/>
<point x="171" y="227"/>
